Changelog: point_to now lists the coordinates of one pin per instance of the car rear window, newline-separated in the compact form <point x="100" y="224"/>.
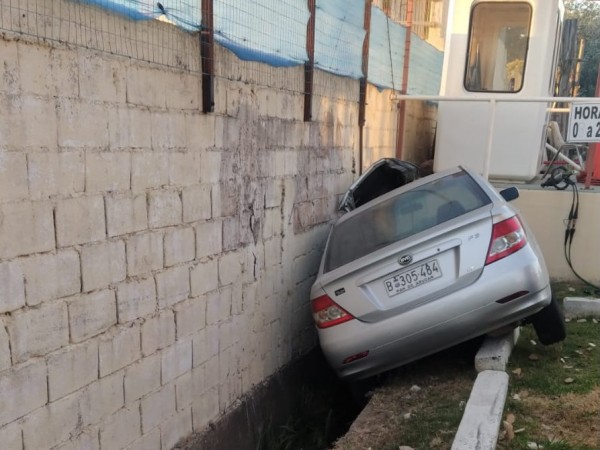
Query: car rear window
<point x="402" y="216"/>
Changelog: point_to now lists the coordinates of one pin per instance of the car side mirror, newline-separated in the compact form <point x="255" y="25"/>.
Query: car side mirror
<point x="509" y="194"/>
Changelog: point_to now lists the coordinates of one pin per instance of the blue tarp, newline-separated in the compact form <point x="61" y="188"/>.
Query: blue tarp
<point x="274" y="32"/>
<point x="386" y="51"/>
<point x="425" y="72"/>
<point x="339" y="36"/>
<point x="183" y="13"/>
<point x="268" y="31"/>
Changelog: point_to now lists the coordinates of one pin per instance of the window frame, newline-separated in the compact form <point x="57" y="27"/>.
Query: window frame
<point x="469" y="44"/>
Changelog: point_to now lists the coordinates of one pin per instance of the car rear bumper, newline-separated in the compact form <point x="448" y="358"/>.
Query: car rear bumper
<point x="442" y="323"/>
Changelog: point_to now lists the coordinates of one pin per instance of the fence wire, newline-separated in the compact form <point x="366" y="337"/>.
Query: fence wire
<point x="271" y="37"/>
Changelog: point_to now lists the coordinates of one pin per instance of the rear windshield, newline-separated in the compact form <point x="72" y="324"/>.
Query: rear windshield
<point x="402" y="216"/>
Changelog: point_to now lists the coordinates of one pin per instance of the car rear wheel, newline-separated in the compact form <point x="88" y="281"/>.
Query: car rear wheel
<point x="549" y="324"/>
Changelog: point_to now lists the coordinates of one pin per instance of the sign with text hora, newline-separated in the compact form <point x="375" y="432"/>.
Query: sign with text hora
<point x="584" y="123"/>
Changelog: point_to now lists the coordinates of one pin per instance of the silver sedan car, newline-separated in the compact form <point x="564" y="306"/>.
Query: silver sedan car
<point x="431" y="264"/>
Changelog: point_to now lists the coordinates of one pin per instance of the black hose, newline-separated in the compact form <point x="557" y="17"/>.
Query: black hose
<point x="570" y="232"/>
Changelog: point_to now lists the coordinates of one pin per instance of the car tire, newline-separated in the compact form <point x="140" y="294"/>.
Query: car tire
<point x="549" y="324"/>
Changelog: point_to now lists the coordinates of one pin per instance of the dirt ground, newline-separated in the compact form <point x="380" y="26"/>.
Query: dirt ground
<point x="571" y="418"/>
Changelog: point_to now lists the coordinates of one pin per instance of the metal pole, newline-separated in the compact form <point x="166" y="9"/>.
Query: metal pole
<point x="592" y="164"/>
<point x="309" y="66"/>
<point x="488" y="151"/>
<point x="362" y="95"/>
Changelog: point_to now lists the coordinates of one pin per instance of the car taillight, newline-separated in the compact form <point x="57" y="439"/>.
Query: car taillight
<point x="327" y="314"/>
<point x="508" y="236"/>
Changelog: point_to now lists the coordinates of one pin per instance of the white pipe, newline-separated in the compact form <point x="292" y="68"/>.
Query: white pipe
<point x="563" y="157"/>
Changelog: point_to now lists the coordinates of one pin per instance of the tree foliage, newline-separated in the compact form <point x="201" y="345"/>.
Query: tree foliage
<point x="588" y="15"/>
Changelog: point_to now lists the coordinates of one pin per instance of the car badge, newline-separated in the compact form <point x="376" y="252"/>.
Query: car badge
<point x="405" y="260"/>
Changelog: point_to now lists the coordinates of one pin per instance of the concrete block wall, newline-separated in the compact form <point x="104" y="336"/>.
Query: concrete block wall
<point x="155" y="261"/>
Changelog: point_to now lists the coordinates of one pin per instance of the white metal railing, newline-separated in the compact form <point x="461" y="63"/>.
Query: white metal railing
<point x="492" y="100"/>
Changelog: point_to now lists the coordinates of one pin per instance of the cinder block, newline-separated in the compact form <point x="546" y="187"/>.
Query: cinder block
<point x="13" y="176"/>
<point x="176" y="428"/>
<point x="71" y="369"/>
<point x="144" y="253"/>
<point x="205" y="345"/>
<point x="157" y="407"/>
<point x="184" y="168"/>
<point x="172" y="286"/>
<point x="208" y="239"/>
<point x="102" y="398"/>
<point x="232" y="234"/>
<point x="196" y="203"/>
<point x="119" y="349"/>
<point x="121" y="429"/>
<point x="10" y="436"/>
<point x="28" y="122"/>
<point x="5" y="360"/>
<point x="144" y="87"/>
<point x="12" y="287"/>
<point x="205" y="408"/>
<point x="92" y="314"/>
<point x="80" y="221"/>
<point x="200" y="129"/>
<point x="136" y="299"/>
<point x="22" y="390"/>
<point x="218" y="306"/>
<point x="168" y="130"/>
<point x="164" y="209"/>
<point x="185" y="92"/>
<point x="158" y="332"/>
<point x="9" y="81"/>
<point x="149" y="170"/>
<point x="34" y="61"/>
<point x="27" y="227"/>
<point x="204" y="278"/>
<point x="225" y="199"/>
<point x="37" y="332"/>
<point x="87" y="440"/>
<point x="52" y="424"/>
<point x="128" y="128"/>
<point x="180" y="246"/>
<point x="149" y="441"/>
<point x="75" y="129"/>
<point x="126" y="214"/>
<point x="230" y="268"/>
<point x="56" y="173"/>
<point x="176" y="360"/>
<point x="190" y="316"/>
<point x="101" y="79"/>
<point x="142" y="378"/>
<point x="107" y="171"/>
<point x="102" y="264"/>
<point x="64" y="72"/>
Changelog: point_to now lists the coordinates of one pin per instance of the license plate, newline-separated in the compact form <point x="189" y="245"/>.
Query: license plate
<point x="417" y="276"/>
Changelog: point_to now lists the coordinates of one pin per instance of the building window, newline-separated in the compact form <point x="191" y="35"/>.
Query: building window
<point x="497" y="51"/>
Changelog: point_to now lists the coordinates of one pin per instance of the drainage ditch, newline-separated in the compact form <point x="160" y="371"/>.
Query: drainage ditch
<point x="304" y="406"/>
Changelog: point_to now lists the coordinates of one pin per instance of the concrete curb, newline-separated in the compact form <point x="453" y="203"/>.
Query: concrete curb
<point x="480" y="423"/>
<point x="495" y="351"/>
<point x="581" y="307"/>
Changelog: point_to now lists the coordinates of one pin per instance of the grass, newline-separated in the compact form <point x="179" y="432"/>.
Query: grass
<point x="554" y="391"/>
